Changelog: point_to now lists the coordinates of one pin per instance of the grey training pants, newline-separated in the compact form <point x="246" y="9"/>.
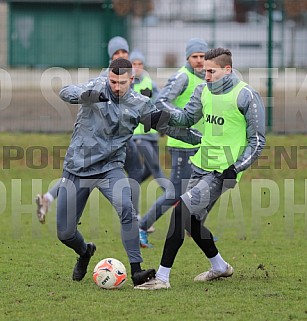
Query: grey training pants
<point x="72" y="197"/>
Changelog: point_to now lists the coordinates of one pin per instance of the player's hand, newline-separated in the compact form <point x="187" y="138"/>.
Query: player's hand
<point x="157" y="120"/>
<point x="93" y="96"/>
<point x="196" y="134"/>
<point x="229" y="176"/>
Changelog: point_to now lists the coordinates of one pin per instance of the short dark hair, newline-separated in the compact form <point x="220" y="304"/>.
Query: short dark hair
<point x="120" y="66"/>
<point x="221" y="56"/>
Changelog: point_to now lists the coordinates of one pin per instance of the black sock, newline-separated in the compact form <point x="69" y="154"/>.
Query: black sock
<point x="135" y="267"/>
<point x="181" y="219"/>
<point x="203" y="237"/>
<point x="175" y="236"/>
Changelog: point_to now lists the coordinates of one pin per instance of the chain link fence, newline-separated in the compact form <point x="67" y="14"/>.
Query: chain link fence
<point x="29" y="96"/>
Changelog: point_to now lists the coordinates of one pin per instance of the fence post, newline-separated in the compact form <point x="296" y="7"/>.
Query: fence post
<point x="270" y="5"/>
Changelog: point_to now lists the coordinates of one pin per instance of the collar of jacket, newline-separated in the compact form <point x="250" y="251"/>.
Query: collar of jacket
<point x="223" y="85"/>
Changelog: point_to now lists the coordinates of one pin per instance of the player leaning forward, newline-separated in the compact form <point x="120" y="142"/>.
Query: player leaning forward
<point x="233" y="137"/>
<point x="109" y="113"/>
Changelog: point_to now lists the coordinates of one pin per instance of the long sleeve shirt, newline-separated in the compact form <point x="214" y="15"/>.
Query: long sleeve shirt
<point x="98" y="142"/>
<point x="249" y="104"/>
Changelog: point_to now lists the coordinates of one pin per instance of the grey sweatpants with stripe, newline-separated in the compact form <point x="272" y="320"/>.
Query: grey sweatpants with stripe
<point x="72" y="197"/>
<point x="203" y="190"/>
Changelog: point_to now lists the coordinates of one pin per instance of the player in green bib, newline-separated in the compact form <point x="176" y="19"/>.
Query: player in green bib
<point x="233" y="138"/>
<point x="174" y="96"/>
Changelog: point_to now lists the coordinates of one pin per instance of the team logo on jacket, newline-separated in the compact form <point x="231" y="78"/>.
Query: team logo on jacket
<point x="212" y="119"/>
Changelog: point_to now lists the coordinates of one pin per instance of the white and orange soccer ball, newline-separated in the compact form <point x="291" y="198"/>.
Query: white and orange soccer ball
<point x="109" y="274"/>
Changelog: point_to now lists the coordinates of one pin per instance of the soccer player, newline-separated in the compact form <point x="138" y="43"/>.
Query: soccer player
<point x="174" y="96"/>
<point x="117" y="48"/>
<point x="109" y="113"/>
<point x="233" y="138"/>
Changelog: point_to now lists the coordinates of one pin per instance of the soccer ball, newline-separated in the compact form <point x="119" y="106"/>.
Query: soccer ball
<point x="110" y="274"/>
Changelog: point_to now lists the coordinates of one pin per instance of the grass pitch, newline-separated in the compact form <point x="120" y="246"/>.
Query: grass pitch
<point x="261" y="228"/>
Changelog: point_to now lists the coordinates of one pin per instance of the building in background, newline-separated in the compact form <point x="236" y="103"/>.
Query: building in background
<point x="240" y="25"/>
<point x="38" y="34"/>
<point x="59" y="33"/>
<point x="75" y="33"/>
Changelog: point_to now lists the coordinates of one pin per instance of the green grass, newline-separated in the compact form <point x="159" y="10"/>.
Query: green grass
<point x="261" y="225"/>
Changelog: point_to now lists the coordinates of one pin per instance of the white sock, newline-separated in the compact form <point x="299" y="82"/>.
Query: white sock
<point x="218" y="263"/>
<point x="163" y="273"/>
<point x="49" y="197"/>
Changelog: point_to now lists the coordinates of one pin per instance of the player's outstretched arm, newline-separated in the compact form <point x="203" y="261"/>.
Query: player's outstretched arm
<point x="159" y="120"/>
<point x="83" y="93"/>
<point x="92" y="96"/>
<point x="71" y="94"/>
